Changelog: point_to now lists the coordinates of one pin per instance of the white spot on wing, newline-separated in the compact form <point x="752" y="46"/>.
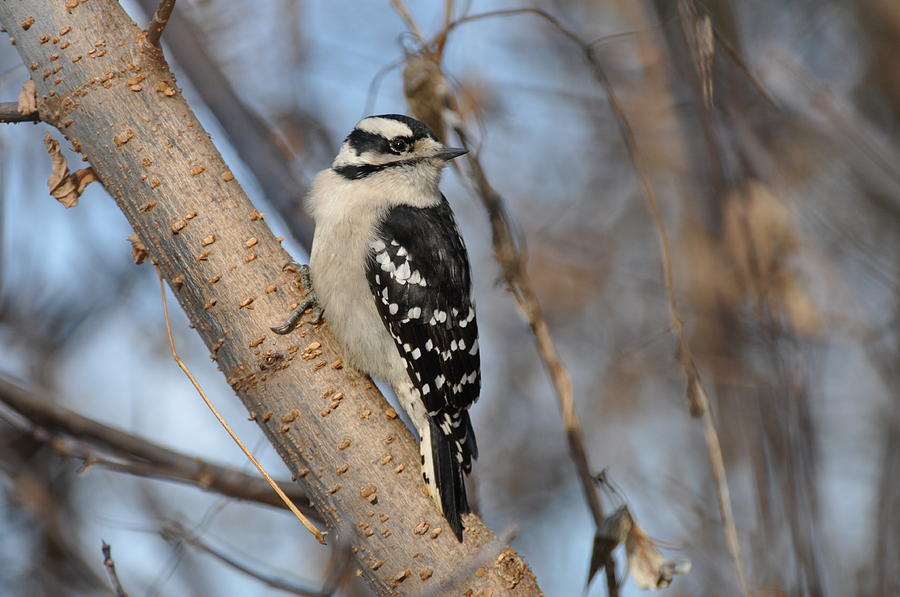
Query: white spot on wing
<point x="402" y="273"/>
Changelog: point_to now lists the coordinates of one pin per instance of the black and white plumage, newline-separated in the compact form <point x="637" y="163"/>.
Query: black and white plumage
<point x="391" y="271"/>
<point x="419" y="273"/>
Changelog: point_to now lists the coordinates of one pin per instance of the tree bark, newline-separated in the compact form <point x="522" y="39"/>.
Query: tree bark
<point x="114" y="97"/>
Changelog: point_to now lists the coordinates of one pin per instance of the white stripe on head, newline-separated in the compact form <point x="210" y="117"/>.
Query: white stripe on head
<point x="386" y="127"/>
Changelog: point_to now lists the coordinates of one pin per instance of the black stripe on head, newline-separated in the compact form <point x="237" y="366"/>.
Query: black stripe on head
<point x="357" y="171"/>
<point x="363" y="141"/>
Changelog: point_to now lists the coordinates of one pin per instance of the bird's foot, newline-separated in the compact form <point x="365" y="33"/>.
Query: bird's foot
<point x="310" y="301"/>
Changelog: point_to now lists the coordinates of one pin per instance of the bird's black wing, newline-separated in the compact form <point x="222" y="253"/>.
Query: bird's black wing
<point x="418" y="272"/>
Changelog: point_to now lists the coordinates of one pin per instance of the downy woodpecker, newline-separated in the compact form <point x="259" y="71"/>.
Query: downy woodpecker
<point x="390" y="271"/>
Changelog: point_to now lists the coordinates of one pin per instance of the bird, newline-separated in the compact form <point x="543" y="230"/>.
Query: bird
<point x="390" y="272"/>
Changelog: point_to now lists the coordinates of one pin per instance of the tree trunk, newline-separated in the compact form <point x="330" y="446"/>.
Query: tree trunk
<point x="116" y="100"/>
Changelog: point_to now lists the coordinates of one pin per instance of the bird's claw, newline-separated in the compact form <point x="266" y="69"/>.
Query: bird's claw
<point x="310" y="301"/>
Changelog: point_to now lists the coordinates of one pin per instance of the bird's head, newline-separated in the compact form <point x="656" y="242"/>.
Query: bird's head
<point x="381" y="143"/>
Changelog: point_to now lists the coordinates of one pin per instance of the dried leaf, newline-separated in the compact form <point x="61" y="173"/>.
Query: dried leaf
<point x="65" y="187"/>
<point x="27" y="98"/>
<point x="613" y="530"/>
<point x="648" y="567"/>
<point x="426" y="91"/>
<point x="764" y="244"/>
<point x="139" y="250"/>
<point x="756" y="258"/>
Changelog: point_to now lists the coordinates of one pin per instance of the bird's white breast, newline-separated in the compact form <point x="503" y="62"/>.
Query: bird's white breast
<point x="347" y="213"/>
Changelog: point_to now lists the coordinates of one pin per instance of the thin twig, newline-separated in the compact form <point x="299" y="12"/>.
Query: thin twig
<point x="514" y="270"/>
<point x="105" y="446"/>
<point x="520" y="11"/>
<point x="401" y="9"/>
<point x="9" y="112"/>
<point x="111" y="570"/>
<point x="696" y="388"/>
<point x="375" y="83"/>
<point x="174" y="532"/>
<point x="319" y="535"/>
<point x="741" y="63"/>
<point x="160" y="20"/>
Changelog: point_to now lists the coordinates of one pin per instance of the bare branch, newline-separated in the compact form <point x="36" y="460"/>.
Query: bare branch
<point x="9" y="112"/>
<point x="134" y="455"/>
<point x="111" y="570"/>
<point x="174" y="532"/>
<point x="251" y="136"/>
<point x="696" y="389"/>
<point x="160" y="20"/>
<point x="514" y="270"/>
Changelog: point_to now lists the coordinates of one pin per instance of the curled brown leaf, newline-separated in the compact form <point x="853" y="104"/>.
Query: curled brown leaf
<point x="139" y="250"/>
<point x="65" y="187"/>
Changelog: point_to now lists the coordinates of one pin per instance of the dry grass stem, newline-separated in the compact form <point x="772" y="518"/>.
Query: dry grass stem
<point x="319" y="535"/>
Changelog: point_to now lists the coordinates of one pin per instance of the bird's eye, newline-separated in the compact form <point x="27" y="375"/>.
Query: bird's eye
<point x="399" y="145"/>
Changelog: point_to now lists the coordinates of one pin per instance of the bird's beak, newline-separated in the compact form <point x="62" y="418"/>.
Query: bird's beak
<point x="448" y="153"/>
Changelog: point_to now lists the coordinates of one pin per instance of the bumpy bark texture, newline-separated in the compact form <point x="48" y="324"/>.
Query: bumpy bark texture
<point x="115" y="99"/>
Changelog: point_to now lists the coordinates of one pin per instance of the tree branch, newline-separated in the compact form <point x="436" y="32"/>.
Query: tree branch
<point x="111" y="570"/>
<point x="696" y="389"/>
<point x="174" y="532"/>
<point x="252" y="138"/>
<point x="224" y="266"/>
<point x="9" y="112"/>
<point x="136" y="456"/>
<point x="160" y="20"/>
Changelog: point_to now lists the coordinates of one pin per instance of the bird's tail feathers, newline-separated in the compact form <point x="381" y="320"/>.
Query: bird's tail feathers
<point x="443" y="474"/>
